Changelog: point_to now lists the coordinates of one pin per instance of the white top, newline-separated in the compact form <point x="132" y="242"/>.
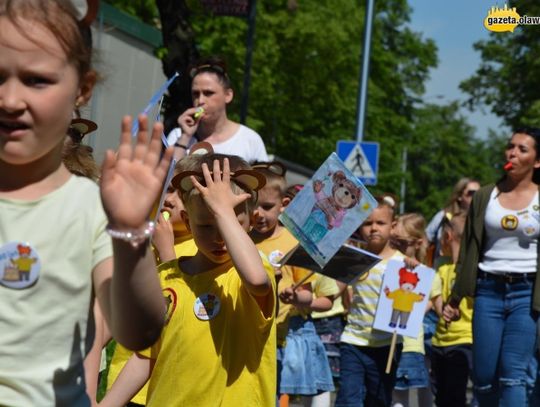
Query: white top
<point x="511" y="237"/>
<point x="245" y="143"/>
<point x="43" y="326"/>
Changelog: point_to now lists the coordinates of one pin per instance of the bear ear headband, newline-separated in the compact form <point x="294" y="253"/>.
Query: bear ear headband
<point x="86" y="11"/>
<point x="275" y="167"/>
<point x="250" y="180"/>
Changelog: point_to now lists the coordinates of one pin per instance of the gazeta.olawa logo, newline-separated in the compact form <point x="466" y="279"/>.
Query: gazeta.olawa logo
<point x="507" y="19"/>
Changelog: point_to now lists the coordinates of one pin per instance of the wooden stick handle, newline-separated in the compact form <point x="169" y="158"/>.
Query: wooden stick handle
<point x="298" y="284"/>
<point x="391" y="353"/>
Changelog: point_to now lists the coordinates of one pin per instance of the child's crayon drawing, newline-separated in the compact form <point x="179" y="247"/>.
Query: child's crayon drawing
<point x="328" y="210"/>
<point x="403" y="298"/>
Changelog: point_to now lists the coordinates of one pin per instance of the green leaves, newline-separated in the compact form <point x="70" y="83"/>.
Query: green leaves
<point x="508" y="79"/>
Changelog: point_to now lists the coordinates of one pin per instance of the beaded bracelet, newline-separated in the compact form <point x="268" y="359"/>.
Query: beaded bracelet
<point x="133" y="236"/>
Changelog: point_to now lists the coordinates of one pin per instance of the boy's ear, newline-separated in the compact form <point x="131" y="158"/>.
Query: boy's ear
<point x="185" y="219"/>
<point x="284" y="202"/>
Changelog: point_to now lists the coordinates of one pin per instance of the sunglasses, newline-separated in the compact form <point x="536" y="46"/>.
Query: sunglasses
<point x="403" y="241"/>
<point x="205" y="68"/>
<point x="470" y="192"/>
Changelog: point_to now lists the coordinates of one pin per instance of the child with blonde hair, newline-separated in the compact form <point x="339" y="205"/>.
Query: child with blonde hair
<point x="413" y="370"/>
<point x="219" y="341"/>
<point x="45" y="74"/>
<point x="364" y="350"/>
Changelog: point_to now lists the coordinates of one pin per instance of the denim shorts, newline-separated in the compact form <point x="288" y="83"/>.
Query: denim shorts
<point x="330" y="330"/>
<point x="305" y="368"/>
<point x="411" y="372"/>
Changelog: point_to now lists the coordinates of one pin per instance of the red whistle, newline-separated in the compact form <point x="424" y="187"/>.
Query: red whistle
<point x="507" y="166"/>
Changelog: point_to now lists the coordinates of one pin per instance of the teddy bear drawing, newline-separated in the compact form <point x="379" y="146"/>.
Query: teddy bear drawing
<point x="329" y="211"/>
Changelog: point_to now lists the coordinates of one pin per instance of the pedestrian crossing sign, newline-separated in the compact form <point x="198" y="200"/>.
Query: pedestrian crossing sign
<point x="362" y="159"/>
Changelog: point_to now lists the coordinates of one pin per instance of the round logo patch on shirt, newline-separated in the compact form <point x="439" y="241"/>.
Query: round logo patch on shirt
<point x="275" y="257"/>
<point x="20" y="265"/>
<point x="529" y="229"/>
<point x="206" y="306"/>
<point x="509" y="222"/>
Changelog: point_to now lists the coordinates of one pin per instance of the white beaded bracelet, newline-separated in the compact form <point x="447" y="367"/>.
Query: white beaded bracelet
<point x="133" y="236"/>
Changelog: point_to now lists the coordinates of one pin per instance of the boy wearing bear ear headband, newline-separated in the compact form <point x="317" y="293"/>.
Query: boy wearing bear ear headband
<point x="218" y="347"/>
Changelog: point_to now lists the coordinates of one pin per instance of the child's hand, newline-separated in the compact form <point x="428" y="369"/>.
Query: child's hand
<point x="132" y="179"/>
<point x="163" y="239"/>
<point x="451" y="312"/>
<point x="288" y="295"/>
<point x="217" y="193"/>
<point x="386" y="290"/>
<point x="411" y="263"/>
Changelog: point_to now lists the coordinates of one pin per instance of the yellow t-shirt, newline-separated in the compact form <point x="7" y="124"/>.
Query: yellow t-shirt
<point x="417" y="344"/>
<point x="218" y="348"/>
<point x="275" y="248"/>
<point x="182" y="247"/>
<point x="404" y="300"/>
<point x="460" y="331"/>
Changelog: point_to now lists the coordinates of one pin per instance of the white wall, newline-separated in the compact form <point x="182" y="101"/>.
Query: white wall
<point x="131" y="75"/>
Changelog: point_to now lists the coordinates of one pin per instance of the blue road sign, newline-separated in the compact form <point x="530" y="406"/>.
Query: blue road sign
<point x="361" y="158"/>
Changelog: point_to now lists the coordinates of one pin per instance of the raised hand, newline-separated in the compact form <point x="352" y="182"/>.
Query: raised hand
<point x="217" y="193"/>
<point x="188" y="123"/>
<point x="133" y="177"/>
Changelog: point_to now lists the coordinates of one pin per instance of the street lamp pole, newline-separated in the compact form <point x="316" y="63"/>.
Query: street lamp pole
<point x="364" y="74"/>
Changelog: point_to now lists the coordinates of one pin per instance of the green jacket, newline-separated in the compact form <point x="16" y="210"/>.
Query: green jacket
<point x="471" y="250"/>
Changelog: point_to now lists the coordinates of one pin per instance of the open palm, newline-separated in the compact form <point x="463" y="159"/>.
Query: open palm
<point x="132" y="179"/>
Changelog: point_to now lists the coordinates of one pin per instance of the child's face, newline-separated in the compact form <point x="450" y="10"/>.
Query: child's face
<point x="38" y="91"/>
<point x="402" y="241"/>
<point x="376" y="229"/>
<point x="173" y="204"/>
<point x="204" y="229"/>
<point x="269" y="206"/>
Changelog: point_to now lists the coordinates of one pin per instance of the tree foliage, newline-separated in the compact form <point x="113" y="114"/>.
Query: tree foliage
<point x="508" y="79"/>
<point x="305" y="80"/>
<point x="443" y="149"/>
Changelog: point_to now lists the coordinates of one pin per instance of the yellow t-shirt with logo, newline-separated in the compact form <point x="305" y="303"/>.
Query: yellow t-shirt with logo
<point x="460" y="331"/>
<point x="182" y="247"/>
<point x="218" y="348"/>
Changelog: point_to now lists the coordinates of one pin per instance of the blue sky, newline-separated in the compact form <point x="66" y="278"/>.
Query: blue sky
<point x="454" y="26"/>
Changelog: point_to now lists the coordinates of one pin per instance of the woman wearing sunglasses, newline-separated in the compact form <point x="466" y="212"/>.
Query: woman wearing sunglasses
<point x="497" y="266"/>
<point x="207" y="120"/>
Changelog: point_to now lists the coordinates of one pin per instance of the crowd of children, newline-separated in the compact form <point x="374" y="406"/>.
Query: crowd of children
<point x="207" y="314"/>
